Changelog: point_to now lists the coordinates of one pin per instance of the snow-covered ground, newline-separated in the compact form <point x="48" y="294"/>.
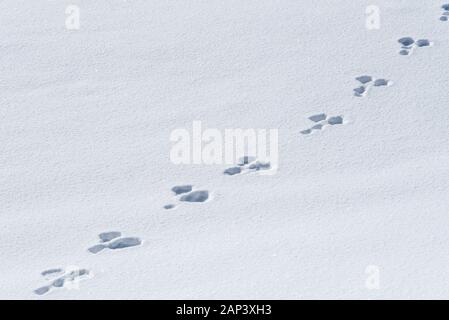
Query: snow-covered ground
<point x="355" y="210"/>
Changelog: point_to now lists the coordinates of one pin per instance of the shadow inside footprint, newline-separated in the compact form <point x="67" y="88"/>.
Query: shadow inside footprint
<point x="232" y="171"/>
<point x="423" y="43"/>
<point x="307" y="131"/>
<point x="406" y="41"/>
<point x="108" y="236"/>
<point x="318" y="117"/>
<point x="97" y="248"/>
<point x="52" y="272"/>
<point x="195" y="196"/>
<point x="124" y="243"/>
<point x="359" y="91"/>
<point x="380" y="82"/>
<point x="335" y="120"/>
<point x="58" y="283"/>
<point x="364" y="79"/>
<point x="42" y="290"/>
<point x="181" y="189"/>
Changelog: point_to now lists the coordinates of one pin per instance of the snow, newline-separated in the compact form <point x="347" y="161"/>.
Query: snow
<point x="86" y="117"/>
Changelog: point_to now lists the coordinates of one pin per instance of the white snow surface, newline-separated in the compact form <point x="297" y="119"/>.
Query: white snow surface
<point x="85" y="121"/>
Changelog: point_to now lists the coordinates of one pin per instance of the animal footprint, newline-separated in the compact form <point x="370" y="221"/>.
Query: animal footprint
<point x="321" y="120"/>
<point x="59" y="278"/>
<point x="366" y="82"/>
<point x="247" y="164"/>
<point x="195" y="196"/>
<point x="182" y="189"/>
<point x="113" y="240"/>
<point x="408" y="44"/>
<point x="445" y="14"/>
<point x="188" y="195"/>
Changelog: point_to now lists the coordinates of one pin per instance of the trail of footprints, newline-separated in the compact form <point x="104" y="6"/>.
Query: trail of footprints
<point x="408" y="45"/>
<point x="320" y="121"/>
<point x="60" y="278"/>
<point x="188" y="195"/>
<point x="112" y="240"/>
<point x="248" y="164"/>
<point x="368" y="82"/>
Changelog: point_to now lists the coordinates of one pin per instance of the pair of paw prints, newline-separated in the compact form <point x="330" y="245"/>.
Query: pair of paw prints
<point x="188" y="195"/>
<point x="70" y="278"/>
<point x="408" y="44"/>
<point x="247" y="164"/>
<point x="367" y="82"/>
<point x="321" y="120"/>
<point x="113" y="240"/>
<point x="445" y="14"/>
<point x="60" y="278"/>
